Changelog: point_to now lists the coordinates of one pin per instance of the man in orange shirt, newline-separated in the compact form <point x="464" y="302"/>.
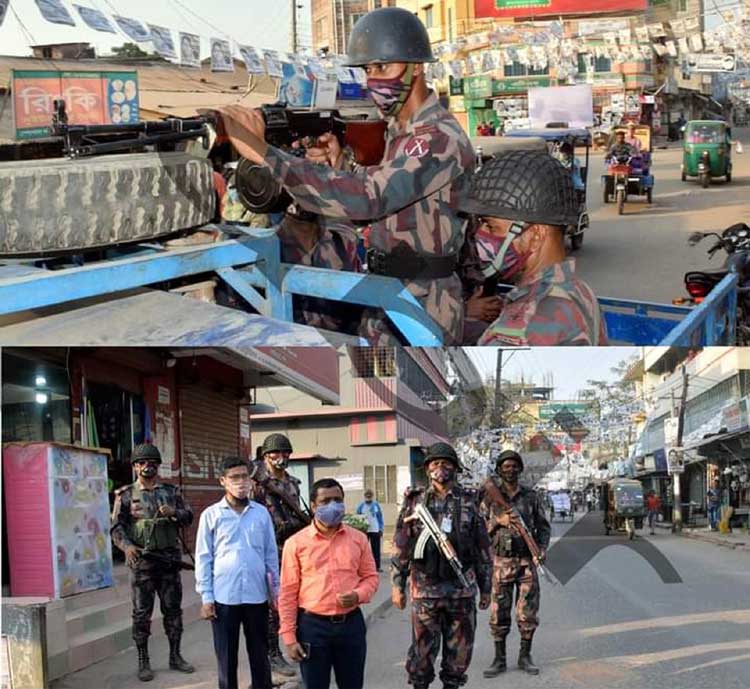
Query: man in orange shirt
<point x="327" y="572"/>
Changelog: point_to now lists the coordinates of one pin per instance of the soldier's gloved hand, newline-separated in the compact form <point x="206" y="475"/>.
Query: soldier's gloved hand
<point x="398" y="598"/>
<point x="167" y="511"/>
<point x="208" y="611"/>
<point x="131" y="555"/>
<point x="484" y="601"/>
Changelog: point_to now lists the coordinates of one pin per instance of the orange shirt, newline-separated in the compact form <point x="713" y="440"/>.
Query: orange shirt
<point x="316" y="569"/>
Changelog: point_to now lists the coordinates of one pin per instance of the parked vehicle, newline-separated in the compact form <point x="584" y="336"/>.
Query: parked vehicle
<point x="625" y="506"/>
<point x="735" y="242"/>
<point x="707" y="151"/>
<point x="561" y="507"/>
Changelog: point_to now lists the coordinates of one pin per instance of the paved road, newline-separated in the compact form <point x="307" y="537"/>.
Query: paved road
<point x="615" y="624"/>
<point x="644" y="254"/>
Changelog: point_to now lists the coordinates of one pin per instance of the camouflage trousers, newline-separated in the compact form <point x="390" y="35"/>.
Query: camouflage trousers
<point x="514" y="576"/>
<point x="442" y="299"/>
<point x="450" y="620"/>
<point x="145" y="585"/>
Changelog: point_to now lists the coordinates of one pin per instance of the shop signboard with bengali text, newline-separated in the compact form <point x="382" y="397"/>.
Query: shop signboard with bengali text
<point x="487" y="9"/>
<point x="90" y="98"/>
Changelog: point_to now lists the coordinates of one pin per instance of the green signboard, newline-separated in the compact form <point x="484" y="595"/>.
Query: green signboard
<point x="518" y="85"/>
<point x="547" y="412"/>
<point x="477" y="87"/>
<point x="514" y="4"/>
<point x="456" y="86"/>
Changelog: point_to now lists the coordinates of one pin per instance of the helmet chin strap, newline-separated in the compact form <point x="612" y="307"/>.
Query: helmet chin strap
<point x="493" y="268"/>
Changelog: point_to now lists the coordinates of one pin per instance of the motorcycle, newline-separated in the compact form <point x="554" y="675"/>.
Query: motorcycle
<point x="616" y="180"/>
<point x="735" y="241"/>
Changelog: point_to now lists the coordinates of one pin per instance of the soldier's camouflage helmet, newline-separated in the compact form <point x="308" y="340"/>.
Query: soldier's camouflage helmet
<point x="525" y="186"/>
<point x="508" y="454"/>
<point x="442" y="451"/>
<point x="389" y="34"/>
<point x="276" y="442"/>
<point x="145" y="453"/>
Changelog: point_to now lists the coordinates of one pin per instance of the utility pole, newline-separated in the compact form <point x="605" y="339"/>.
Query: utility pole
<point x="294" y="26"/>
<point x="498" y="388"/>
<point x="677" y="513"/>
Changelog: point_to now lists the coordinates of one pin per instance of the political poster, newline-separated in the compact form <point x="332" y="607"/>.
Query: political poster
<point x="221" y="56"/>
<point x="161" y="37"/>
<point x="132" y="28"/>
<point x="95" y="19"/>
<point x="294" y="90"/>
<point x="55" y="12"/>
<point x="252" y="60"/>
<point x="190" y="50"/>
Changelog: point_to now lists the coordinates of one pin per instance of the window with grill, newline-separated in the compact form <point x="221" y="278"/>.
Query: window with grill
<point x="381" y="480"/>
<point x="601" y="64"/>
<point x="373" y="362"/>
<point x="516" y="69"/>
<point x="428" y="17"/>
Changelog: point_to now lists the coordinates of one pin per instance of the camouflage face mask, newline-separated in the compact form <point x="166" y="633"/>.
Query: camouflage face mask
<point x="389" y="95"/>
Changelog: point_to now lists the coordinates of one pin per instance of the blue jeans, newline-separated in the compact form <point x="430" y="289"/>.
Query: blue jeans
<point x="341" y="647"/>
<point x="713" y="515"/>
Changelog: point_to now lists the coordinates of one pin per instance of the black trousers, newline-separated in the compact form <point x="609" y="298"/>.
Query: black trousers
<point x="226" y="628"/>
<point x="375" y="539"/>
<point x="341" y="647"/>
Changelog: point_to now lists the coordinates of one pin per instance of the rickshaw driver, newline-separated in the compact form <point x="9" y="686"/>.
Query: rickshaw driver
<point x="620" y="148"/>
<point x="522" y="202"/>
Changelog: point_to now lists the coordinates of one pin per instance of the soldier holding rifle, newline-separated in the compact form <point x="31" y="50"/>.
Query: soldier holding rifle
<point x="441" y="543"/>
<point x="520" y="535"/>
<point x="146" y="519"/>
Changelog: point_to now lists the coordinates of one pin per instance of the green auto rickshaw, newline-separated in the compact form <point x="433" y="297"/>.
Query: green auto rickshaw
<point x="707" y="151"/>
<point x="625" y="507"/>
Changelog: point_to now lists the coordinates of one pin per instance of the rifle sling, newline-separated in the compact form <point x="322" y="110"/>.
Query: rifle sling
<point x="266" y="483"/>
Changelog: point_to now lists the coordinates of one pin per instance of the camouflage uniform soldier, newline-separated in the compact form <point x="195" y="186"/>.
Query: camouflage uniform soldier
<point x="276" y="489"/>
<point x="411" y="196"/>
<point x="514" y="571"/>
<point x="308" y="240"/>
<point x="522" y="201"/>
<point x="442" y="609"/>
<point x="146" y="519"/>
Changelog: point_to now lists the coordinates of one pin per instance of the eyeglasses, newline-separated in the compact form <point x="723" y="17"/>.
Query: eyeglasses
<point x="237" y="479"/>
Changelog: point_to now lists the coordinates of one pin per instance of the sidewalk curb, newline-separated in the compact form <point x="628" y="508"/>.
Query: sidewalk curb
<point x="715" y="541"/>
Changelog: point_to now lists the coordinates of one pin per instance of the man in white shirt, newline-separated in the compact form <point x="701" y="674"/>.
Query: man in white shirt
<point x="237" y="574"/>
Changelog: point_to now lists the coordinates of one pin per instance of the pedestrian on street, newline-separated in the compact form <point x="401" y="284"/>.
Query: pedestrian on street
<point x="521" y="203"/>
<point x="237" y="575"/>
<point x="653" y="505"/>
<point x="514" y="571"/>
<point x="327" y="572"/>
<point x="146" y="519"/>
<point x="713" y="499"/>
<point x="443" y="608"/>
<point x="371" y="510"/>
<point x="278" y="491"/>
<point x="411" y="196"/>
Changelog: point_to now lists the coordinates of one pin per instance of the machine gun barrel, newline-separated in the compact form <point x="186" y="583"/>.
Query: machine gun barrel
<point x="81" y="139"/>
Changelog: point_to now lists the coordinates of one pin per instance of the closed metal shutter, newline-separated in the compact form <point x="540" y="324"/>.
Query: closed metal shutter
<point x="209" y="429"/>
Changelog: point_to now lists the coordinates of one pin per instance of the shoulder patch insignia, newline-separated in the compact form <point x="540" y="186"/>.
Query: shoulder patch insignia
<point x="417" y="147"/>
<point x="425" y="129"/>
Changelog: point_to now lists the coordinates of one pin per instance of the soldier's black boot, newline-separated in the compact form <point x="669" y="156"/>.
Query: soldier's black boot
<point x="499" y="664"/>
<point x="145" y="673"/>
<point x="176" y="661"/>
<point x="525" y="662"/>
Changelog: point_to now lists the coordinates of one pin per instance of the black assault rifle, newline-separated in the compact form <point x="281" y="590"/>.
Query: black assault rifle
<point x="432" y="531"/>
<point x="93" y="139"/>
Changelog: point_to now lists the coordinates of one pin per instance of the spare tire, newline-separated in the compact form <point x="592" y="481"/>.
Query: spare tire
<point x="59" y="205"/>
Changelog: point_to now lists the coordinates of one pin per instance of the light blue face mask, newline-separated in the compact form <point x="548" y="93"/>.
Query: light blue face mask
<point x="330" y="514"/>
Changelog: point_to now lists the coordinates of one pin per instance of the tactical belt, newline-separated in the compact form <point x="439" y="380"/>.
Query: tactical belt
<point x="410" y="265"/>
<point x="333" y="619"/>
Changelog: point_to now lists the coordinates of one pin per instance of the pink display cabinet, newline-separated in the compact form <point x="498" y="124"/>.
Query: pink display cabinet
<point x="57" y="519"/>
